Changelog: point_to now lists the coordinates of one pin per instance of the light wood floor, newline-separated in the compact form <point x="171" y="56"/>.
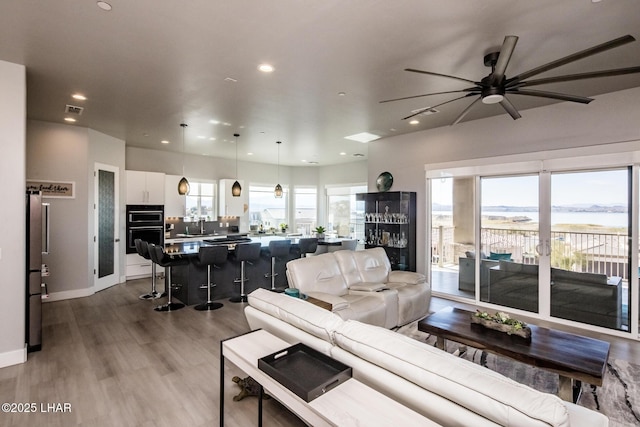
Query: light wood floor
<point x="119" y="363"/>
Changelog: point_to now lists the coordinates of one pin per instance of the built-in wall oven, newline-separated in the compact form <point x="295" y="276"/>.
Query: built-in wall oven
<point x="145" y="222"/>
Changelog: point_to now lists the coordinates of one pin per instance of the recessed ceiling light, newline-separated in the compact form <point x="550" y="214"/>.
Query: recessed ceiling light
<point x="358" y="155"/>
<point x="414" y="122"/>
<point x="226" y="124"/>
<point x="363" y="137"/>
<point x="79" y="97"/>
<point x="214" y="122"/>
<point x="230" y="80"/>
<point x="311" y="162"/>
<point x="104" y="5"/>
<point x="201" y="137"/>
<point x="342" y="93"/>
<point x="69" y="119"/>
<point x="249" y="154"/>
<point x="343" y="154"/>
<point x="212" y="139"/>
<point x="164" y="141"/>
<point x="266" y="68"/>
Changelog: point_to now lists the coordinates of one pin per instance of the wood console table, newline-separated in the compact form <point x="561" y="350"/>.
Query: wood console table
<point x="349" y="404"/>
<point x="574" y="358"/>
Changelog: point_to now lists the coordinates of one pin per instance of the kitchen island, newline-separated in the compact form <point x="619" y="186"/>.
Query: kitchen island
<point x="190" y="280"/>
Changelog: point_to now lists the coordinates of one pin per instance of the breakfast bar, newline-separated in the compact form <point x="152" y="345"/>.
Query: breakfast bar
<point x="190" y="280"/>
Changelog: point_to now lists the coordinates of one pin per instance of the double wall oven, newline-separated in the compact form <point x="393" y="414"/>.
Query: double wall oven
<point x="145" y="222"/>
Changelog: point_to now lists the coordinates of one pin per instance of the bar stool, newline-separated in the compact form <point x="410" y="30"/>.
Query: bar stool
<point x="245" y="253"/>
<point x="277" y="248"/>
<point x="159" y="256"/>
<point x="308" y="245"/>
<point x="142" y="248"/>
<point x="211" y="256"/>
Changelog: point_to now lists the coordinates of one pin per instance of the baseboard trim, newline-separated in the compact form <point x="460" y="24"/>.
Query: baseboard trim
<point x="13" y="357"/>
<point x="63" y="295"/>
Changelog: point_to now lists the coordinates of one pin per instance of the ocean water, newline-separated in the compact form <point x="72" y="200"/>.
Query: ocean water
<point x="606" y="219"/>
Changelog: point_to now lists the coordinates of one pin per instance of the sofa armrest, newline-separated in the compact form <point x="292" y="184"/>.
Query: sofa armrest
<point x="368" y="287"/>
<point x="408" y="277"/>
<point x="337" y="303"/>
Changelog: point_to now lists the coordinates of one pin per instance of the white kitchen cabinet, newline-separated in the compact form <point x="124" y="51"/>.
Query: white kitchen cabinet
<point x="145" y="188"/>
<point x="174" y="203"/>
<point x="138" y="267"/>
<point x="229" y="205"/>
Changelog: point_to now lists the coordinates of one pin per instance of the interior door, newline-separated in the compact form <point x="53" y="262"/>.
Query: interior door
<point x="106" y="227"/>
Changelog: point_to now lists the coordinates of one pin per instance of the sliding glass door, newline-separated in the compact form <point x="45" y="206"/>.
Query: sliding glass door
<point x="548" y="241"/>
<point x="509" y="236"/>
<point x="589" y="247"/>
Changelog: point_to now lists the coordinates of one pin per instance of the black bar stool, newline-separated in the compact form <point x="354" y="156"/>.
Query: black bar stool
<point x="308" y="245"/>
<point x="211" y="256"/>
<point x="277" y="248"/>
<point x="159" y="256"/>
<point x="245" y="253"/>
<point x="142" y="248"/>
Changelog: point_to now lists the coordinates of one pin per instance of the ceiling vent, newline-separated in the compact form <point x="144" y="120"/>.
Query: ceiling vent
<point x="72" y="109"/>
<point x="425" y="111"/>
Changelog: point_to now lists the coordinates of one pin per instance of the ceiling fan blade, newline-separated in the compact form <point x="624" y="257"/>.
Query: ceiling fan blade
<point x="413" y="70"/>
<point x="465" y="111"/>
<point x="574" y="57"/>
<point x="553" y="95"/>
<point x="506" y="51"/>
<point x="476" y="89"/>
<point x="422" y="110"/>
<point x="581" y="76"/>
<point x="509" y="108"/>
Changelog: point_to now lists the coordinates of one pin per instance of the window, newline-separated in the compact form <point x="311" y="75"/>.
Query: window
<point x="201" y="201"/>
<point x="552" y="238"/>
<point x="265" y="209"/>
<point x="344" y="216"/>
<point x="305" y="209"/>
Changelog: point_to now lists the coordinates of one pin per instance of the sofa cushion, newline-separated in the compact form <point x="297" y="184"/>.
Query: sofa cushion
<point x="373" y="265"/>
<point x="319" y="273"/>
<point x="299" y="313"/>
<point x="472" y="386"/>
<point x="498" y="256"/>
<point x="408" y="277"/>
<point x="348" y="267"/>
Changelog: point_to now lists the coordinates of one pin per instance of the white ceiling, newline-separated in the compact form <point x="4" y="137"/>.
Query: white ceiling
<point x="148" y="65"/>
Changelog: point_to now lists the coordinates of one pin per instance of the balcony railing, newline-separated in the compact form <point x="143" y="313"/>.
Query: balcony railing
<point x="600" y="253"/>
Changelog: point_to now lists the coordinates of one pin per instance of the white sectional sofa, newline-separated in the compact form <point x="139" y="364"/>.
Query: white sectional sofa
<point x="360" y="285"/>
<point x="444" y="388"/>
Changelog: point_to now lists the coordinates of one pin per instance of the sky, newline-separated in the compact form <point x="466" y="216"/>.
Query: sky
<point x="594" y="187"/>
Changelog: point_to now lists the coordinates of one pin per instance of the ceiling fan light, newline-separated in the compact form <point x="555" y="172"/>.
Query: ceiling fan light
<point x="492" y="99"/>
<point x="183" y="186"/>
<point x="278" y="191"/>
<point x="236" y="189"/>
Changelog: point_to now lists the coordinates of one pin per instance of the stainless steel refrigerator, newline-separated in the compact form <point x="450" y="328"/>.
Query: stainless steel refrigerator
<point x="37" y="244"/>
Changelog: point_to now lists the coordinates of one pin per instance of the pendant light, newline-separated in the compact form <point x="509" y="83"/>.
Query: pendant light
<point x="278" y="190"/>
<point x="236" y="189"/>
<point x="183" y="185"/>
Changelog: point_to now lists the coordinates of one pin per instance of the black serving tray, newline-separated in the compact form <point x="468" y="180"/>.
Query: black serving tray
<point x="305" y="371"/>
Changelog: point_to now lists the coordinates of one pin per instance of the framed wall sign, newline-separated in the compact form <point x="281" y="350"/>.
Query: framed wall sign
<point x="53" y="189"/>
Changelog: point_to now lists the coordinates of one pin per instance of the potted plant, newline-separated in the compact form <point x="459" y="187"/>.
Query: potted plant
<point x="319" y="230"/>
<point x="283" y="227"/>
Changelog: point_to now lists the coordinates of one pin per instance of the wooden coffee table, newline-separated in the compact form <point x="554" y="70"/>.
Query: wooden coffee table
<point x="574" y="358"/>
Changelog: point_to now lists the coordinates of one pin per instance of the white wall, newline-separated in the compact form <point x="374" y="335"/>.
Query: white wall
<point x="12" y="212"/>
<point x="58" y="152"/>
<point x="611" y="118"/>
<point x="212" y="168"/>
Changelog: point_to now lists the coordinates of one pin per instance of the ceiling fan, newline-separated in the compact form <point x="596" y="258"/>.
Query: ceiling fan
<point x="493" y="88"/>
